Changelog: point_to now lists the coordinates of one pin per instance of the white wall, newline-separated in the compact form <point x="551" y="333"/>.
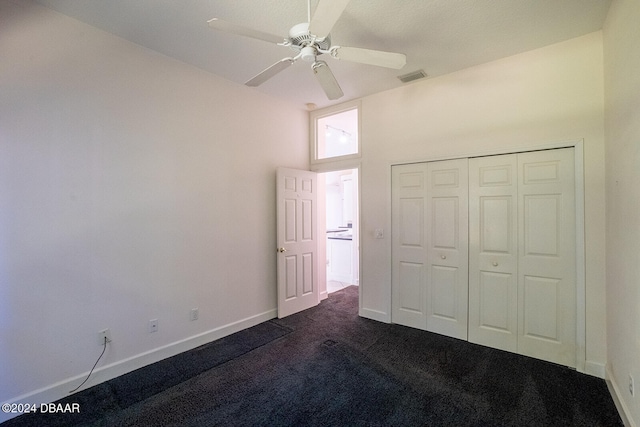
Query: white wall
<point x="538" y="97"/>
<point x="132" y="187"/>
<point x="122" y="173"/>
<point x="622" y="125"/>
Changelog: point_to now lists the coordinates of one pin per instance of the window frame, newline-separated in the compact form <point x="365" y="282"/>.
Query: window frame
<point x="316" y="115"/>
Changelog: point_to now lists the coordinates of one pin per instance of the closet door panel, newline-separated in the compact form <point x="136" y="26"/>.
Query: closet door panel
<point x="546" y="264"/>
<point x="493" y="246"/>
<point x="409" y="246"/>
<point x="444" y="301"/>
<point x="484" y="249"/>
<point x="447" y="242"/>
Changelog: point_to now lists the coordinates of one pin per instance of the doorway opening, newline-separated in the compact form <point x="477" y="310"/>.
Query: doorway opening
<point x="342" y="229"/>
<point x="335" y="153"/>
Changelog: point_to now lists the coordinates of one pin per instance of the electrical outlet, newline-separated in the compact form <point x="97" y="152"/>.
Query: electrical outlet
<point x="152" y="326"/>
<point x="631" y="385"/>
<point x="194" y="314"/>
<point x="105" y="333"/>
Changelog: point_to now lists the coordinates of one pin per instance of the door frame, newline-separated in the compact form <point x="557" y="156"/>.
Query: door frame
<point x="322" y="226"/>
<point x="578" y="146"/>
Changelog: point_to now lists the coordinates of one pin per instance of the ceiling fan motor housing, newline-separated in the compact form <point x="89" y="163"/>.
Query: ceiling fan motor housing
<point x="299" y="37"/>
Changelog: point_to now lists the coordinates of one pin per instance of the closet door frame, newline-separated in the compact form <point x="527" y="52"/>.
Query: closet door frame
<point x="578" y="146"/>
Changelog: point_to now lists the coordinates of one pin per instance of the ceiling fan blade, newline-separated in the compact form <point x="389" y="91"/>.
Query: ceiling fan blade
<point x="270" y="72"/>
<point x="371" y="57"/>
<point x="325" y="16"/>
<point x="327" y="80"/>
<point x="229" y="27"/>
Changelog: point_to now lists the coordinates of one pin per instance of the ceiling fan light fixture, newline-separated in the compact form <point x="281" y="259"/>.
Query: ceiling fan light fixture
<point x="308" y="54"/>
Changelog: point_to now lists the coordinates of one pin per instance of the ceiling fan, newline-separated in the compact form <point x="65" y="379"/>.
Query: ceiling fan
<point x="311" y="39"/>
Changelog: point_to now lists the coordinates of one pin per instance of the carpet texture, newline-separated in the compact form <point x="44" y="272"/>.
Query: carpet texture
<point x="328" y="367"/>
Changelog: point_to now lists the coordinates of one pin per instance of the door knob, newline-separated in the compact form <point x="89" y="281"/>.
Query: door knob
<point x="495" y="264"/>
<point x="443" y="256"/>
<point x="282" y="250"/>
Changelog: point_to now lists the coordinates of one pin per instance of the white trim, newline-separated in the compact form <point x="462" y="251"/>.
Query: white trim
<point x="358" y="240"/>
<point x="614" y="390"/>
<point x="380" y="316"/>
<point x="578" y="146"/>
<point x="494" y="152"/>
<point x="581" y="281"/>
<point x="595" y="369"/>
<point x="337" y="164"/>
<point x="61" y="389"/>
<point x="389" y="240"/>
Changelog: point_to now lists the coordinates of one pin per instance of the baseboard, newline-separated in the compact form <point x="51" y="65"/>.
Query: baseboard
<point x="61" y="389"/>
<point x="380" y="316"/>
<point x="595" y="369"/>
<point x="615" y="391"/>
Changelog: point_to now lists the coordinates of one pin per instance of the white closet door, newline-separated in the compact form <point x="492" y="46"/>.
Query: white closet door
<point x="447" y="242"/>
<point x="493" y="251"/>
<point x="546" y="264"/>
<point x="409" y="246"/>
<point x="484" y="249"/>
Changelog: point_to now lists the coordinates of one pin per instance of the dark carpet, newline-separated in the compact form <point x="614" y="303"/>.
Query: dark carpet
<point x="328" y="367"/>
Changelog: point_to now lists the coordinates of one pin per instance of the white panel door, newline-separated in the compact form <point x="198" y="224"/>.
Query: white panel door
<point x="547" y="263"/>
<point x="493" y="251"/>
<point x="409" y="246"/>
<point x="296" y="197"/>
<point x="447" y="247"/>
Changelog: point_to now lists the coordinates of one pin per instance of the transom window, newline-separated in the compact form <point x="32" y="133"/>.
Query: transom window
<point x="335" y="133"/>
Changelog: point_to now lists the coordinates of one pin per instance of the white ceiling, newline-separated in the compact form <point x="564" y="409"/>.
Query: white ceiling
<point x="438" y="36"/>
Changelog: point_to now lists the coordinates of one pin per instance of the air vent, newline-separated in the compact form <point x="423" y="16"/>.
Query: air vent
<point x="415" y="75"/>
